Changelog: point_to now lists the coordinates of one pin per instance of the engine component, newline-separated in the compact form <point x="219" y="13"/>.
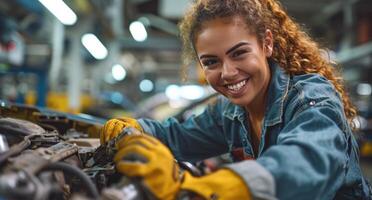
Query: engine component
<point x="43" y="156"/>
<point x="50" y="155"/>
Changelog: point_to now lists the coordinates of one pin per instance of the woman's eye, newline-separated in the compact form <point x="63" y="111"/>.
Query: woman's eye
<point x="209" y="62"/>
<point x="238" y="53"/>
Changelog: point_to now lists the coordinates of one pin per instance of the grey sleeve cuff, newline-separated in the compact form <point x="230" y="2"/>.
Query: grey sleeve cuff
<point x="259" y="181"/>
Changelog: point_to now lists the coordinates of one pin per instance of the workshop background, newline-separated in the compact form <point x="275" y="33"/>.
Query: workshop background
<point x="110" y="58"/>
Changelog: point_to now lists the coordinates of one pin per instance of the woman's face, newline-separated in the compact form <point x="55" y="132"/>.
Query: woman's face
<point x="234" y="61"/>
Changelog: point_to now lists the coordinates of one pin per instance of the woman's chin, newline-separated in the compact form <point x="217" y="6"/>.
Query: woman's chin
<point x="239" y="101"/>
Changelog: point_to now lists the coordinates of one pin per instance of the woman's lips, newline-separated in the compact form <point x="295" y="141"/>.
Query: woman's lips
<point x="237" y="88"/>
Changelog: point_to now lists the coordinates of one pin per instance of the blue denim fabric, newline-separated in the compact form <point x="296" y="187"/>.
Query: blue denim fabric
<point x="306" y="144"/>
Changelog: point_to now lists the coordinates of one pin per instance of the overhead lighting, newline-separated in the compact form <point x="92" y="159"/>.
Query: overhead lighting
<point x="118" y="72"/>
<point x="61" y="11"/>
<point x="192" y="92"/>
<point x="94" y="46"/>
<point x="172" y="92"/>
<point x="364" y="89"/>
<point x="188" y="92"/>
<point x="146" y="85"/>
<point x="138" y="31"/>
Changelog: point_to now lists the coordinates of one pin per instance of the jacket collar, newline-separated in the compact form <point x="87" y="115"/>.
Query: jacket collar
<point x="277" y="93"/>
<point x="278" y="89"/>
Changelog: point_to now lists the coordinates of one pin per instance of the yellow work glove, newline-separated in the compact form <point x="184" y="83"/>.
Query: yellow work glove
<point x="222" y="185"/>
<point x="114" y="127"/>
<point x="145" y="157"/>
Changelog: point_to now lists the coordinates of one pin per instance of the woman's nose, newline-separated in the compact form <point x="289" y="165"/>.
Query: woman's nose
<point x="229" y="71"/>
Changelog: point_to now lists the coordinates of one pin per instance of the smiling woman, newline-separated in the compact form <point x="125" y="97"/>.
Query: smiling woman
<point x="284" y="116"/>
<point x="235" y="62"/>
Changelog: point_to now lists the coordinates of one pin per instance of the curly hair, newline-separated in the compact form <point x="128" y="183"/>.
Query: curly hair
<point x="293" y="49"/>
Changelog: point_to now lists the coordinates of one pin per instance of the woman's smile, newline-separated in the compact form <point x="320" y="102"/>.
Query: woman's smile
<point x="237" y="89"/>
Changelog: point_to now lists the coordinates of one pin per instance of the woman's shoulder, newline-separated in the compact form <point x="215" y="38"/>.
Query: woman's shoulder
<point x="313" y="86"/>
<point x="310" y="80"/>
<point x="311" y="90"/>
<point x="315" y="94"/>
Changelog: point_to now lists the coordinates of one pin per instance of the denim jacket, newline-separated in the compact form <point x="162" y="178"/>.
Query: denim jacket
<point x="307" y="149"/>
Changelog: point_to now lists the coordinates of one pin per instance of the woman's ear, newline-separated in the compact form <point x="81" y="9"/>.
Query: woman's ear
<point x="268" y="43"/>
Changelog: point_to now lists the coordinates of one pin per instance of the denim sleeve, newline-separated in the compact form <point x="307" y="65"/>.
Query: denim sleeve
<point x="310" y="158"/>
<point x="198" y="138"/>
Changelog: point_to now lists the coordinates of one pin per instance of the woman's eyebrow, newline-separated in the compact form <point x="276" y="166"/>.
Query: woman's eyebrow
<point x="207" y="56"/>
<point x="236" y="46"/>
<point x="227" y="52"/>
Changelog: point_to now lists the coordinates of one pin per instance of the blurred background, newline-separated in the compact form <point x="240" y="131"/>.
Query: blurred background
<point x="110" y="58"/>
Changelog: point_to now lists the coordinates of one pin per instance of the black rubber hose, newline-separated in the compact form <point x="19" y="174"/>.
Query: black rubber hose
<point x="74" y="171"/>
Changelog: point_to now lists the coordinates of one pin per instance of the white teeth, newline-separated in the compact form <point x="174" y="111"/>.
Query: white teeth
<point x="237" y="86"/>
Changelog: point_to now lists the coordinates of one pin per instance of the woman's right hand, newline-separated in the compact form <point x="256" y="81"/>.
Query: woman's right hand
<point x="114" y="127"/>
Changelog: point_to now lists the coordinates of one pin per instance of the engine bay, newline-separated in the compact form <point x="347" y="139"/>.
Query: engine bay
<point x="50" y="155"/>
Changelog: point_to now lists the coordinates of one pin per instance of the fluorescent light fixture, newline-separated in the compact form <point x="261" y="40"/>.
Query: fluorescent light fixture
<point x="191" y="92"/>
<point x="172" y="92"/>
<point x="138" y="31"/>
<point x="60" y="10"/>
<point x="94" y="46"/>
<point x="118" y="72"/>
<point x="364" y="89"/>
<point x="146" y="85"/>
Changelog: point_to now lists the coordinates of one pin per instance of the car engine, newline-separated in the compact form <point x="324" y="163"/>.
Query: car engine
<point x="50" y="155"/>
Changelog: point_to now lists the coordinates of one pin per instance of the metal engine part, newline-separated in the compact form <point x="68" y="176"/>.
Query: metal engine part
<point x="43" y="155"/>
<point x="49" y="155"/>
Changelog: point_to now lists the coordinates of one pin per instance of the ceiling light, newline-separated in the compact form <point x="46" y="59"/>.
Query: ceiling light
<point x="146" y="85"/>
<point x="61" y="11"/>
<point x="364" y="89"/>
<point x="94" y="46"/>
<point x="192" y="92"/>
<point x="138" y="31"/>
<point x="172" y="92"/>
<point x="118" y="72"/>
